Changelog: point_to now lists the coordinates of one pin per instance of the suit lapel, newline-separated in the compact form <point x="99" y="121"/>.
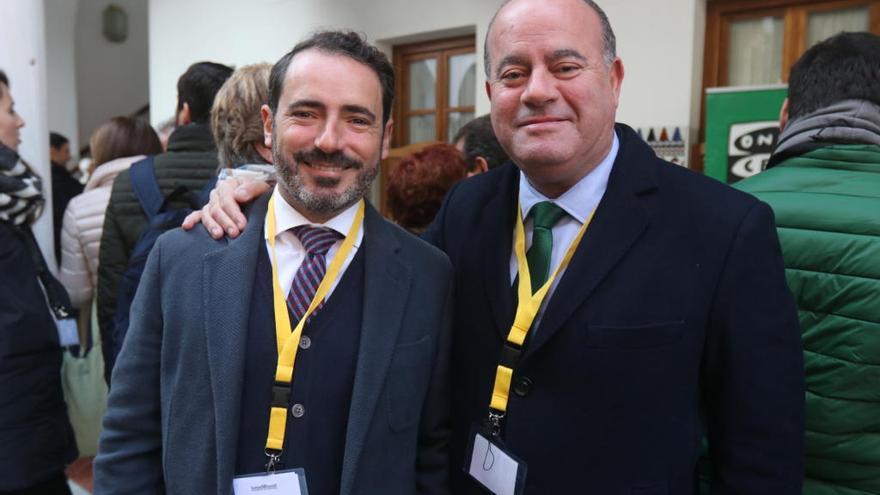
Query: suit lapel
<point x="619" y="221"/>
<point x="386" y="285"/>
<point x="496" y="244"/>
<point x="228" y="273"/>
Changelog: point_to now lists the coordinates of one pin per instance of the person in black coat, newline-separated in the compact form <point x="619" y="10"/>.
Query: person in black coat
<point x="64" y="186"/>
<point x="36" y="439"/>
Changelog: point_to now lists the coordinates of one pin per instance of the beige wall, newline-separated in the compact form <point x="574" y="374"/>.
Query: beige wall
<point x="23" y="58"/>
<point x="661" y="44"/>
<point x="660" y="41"/>
<point x="61" y="69"/>
<point x="111" y="78"/>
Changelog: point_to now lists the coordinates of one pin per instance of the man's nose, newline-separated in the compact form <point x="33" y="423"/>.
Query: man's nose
<point x="328" y="139"/>
<point x="540" y="88"/>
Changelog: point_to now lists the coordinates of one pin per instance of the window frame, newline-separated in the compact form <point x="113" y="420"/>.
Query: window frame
<point x="442" y="50"/>
<point x="795" y="14"/>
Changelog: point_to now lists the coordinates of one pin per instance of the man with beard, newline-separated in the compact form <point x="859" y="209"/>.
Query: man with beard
<point x="312" y="351"/>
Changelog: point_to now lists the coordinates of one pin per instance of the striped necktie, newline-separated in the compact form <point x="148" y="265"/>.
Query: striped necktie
<point x="316" y="241"/>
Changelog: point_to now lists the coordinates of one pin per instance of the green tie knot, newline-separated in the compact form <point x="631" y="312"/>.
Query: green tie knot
<point x="544" y="216"/>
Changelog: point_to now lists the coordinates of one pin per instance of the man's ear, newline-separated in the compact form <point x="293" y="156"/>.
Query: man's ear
<point x="616" y="78"/>
<point x="783" y="115"/>
<point x="386" y="138"/>
<point x="264" y="152"/>
<point x="481" y="165"/>
<point x="488" y="90"/>
<point x="184" y="117"/>
<point x="266" y="114"/>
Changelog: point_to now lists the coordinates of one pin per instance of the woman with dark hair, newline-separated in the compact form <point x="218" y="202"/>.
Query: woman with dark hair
<point x="420" y="181"/>
<point x="36" y="440"/>
<point x="115" y="145"/>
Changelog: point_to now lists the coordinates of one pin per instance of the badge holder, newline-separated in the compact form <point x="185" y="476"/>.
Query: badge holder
<point x="489" y="463"/>
<point x="286" y="482"/>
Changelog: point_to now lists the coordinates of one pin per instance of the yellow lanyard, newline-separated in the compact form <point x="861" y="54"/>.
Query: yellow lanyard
<point x="527" y="309"/>
<point x="287" y="341"/>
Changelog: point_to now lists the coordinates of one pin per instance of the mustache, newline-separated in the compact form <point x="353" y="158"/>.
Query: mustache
<point x="336" y="158"/>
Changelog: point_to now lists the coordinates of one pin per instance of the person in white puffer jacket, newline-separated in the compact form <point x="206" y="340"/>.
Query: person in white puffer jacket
<point x="115" y="146"/>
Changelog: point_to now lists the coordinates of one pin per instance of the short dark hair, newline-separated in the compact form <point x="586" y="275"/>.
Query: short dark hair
<point x="843" y="67"/>
<point x="479" y="140"/>
<point x="609" y="40"/>
<point x="348" y="43"/>
<point x="56" y="140"/>
<point x="198" y="86"/>
<point x="4" y="80"/>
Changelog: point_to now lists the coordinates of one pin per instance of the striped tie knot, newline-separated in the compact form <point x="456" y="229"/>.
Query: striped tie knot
<point x="316" y="240"/>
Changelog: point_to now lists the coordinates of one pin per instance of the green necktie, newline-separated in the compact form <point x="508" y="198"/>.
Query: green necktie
<point x="544" y="216"/>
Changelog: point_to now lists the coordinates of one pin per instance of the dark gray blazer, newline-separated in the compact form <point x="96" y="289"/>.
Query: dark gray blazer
<point x="172" y="419"/>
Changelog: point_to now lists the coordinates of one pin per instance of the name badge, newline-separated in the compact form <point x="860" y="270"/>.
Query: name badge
<point x="288" y="482"/>
<point x="67" y="332"/>
<point x="493" y="466"/>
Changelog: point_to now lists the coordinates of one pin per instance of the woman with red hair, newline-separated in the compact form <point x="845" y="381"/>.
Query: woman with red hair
<point x="420" y="181"/>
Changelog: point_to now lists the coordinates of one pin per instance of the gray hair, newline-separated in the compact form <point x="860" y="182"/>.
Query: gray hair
<point x="609" y="41"/>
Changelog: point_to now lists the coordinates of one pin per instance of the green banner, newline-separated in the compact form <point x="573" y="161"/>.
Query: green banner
<point x="742" y="128"/>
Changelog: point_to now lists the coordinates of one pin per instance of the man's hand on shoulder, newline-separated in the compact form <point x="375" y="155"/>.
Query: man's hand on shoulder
<point x="223" y="213"/>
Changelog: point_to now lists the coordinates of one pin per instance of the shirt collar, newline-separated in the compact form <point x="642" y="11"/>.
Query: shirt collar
<point x="582" y="198"/>
<point x="287" y="217"/>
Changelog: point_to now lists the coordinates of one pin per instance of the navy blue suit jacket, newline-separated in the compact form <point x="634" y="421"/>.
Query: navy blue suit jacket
<point x="672" y="321"/>
<point x="173" y="413"/>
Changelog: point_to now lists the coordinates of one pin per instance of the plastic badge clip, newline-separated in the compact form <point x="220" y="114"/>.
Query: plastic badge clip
<point x="274" y="460"/>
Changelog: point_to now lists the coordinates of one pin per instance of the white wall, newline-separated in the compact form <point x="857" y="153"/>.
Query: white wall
<point x="229" y="32"/>
<point x="61" y="69"/>
<point x="112" y="78"/>
<point x="239" y="33"/>
<point x="661" y="46"/>
<point x="23" y="58"/>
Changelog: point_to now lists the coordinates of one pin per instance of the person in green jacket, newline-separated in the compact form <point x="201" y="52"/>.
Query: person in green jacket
<point x="190" y="162"/>
<point x="823" y="183"/>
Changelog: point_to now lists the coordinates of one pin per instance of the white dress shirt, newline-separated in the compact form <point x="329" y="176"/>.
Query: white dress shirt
<point x="578" y="202"/>
<point x="289" y="251"/>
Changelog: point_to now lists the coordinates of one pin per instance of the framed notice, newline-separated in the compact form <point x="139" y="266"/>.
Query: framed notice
<point x="742" y="128"/>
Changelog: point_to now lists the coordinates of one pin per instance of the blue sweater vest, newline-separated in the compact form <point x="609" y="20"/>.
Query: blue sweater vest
<point x="322" y="381"/>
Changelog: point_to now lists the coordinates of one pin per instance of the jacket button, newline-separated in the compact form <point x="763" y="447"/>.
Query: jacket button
<point x="523" y="386"/>
<point x="305" y="342"/>
<point x="297" y="410"/>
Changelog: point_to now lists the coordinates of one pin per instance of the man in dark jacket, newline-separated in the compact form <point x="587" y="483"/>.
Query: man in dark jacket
<point x="191" y="161"/>
<point x="64" y="186"/>
<point x="823" y="184"/>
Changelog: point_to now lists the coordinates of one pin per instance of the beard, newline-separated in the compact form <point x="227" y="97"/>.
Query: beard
<point x="321" y="199"/>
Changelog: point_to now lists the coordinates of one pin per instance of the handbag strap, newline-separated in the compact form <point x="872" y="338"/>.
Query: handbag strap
<point x="59" y="300"/>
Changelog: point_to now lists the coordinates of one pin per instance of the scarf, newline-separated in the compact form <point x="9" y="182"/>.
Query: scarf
<point x="845" y="122"/>
<point x="21" y="197"/>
